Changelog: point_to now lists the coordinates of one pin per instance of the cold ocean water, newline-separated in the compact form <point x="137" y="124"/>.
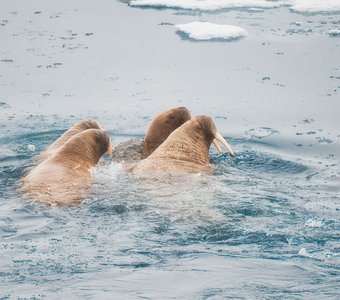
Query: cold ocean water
<point x="263" y="225"/>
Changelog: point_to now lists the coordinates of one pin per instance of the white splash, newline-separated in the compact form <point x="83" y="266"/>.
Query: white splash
<point x="316" y="6"/>
<point x="208" y="31"/>
<point x="207" y="5"/>
<point x="303" y="252"/>
<point x="106" y="173"/>
<point x="31" y="148"/>
<point x="314" y="223"/>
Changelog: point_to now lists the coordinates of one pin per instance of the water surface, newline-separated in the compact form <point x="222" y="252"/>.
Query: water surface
<point x="264" y="224"/>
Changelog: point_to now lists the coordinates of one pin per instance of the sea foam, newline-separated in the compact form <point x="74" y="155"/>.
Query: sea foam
<point x="204" y="31"/>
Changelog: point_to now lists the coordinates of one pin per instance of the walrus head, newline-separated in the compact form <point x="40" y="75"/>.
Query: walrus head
<point x="87" y="124"/>
<point x="186" y="149"/>
<point x="75" y="129"/>
<point x="162" y="126"/>
<point x="87" y="146"/>
<point x="204" y="126"/>
<point x="198" y="134"/>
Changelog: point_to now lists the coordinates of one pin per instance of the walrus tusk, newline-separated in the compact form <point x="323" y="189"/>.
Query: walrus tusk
<point x="218" y="147"/>
<point x="220" y="138"/>
<point x="109" y="150"/>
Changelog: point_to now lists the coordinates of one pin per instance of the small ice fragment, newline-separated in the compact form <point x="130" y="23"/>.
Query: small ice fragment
<point x="334" y="32"/>
<point x="31" y="148"/>
<point x="302" y="252"/>
<point x="324" y="141"/>
<point x="265" y="78"/>
<point x="296" y="23"/>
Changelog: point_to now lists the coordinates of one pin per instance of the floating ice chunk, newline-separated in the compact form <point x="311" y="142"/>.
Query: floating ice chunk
<point x="31" y="148"/>
<point x="303" y="252"/>
<point x="334" y="32"/>
<point x="316" y="6"/>
<point x="204" y="31"/>
<point x="207" y="4"/>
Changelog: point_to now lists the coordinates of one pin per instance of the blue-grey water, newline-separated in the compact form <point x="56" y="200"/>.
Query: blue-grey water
<point x="264" y="225"/>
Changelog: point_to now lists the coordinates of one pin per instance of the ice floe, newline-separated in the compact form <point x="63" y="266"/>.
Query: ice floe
<point x="315" y="6"/>
<point x="208" y="5"/>
<point x="334" y="32"/>
<point x="204" y="31"/>
<point x="303" y="6"/>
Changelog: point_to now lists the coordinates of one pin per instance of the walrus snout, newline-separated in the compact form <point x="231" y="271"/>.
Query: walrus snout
<point x="103" y="139"/>
<point x="206" y="127"/>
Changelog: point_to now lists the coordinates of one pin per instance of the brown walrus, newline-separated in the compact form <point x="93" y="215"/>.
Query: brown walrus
<point x="186" y="149"/>
<point x="75" y="129"/>
<point x="160" y="128"/>
<point x="65" y="177"/>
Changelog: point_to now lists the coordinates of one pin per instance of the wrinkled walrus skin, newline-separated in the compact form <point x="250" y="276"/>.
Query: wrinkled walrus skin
<point x="65" y="177"/>
<point x="185" y="150"/>
<point x="162" y="125"/>
<point x="75" y="129"/>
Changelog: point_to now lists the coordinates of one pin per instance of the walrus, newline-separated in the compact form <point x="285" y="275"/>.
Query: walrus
<point x="75" y="129"/>
<point x="160" y="128"/>
<point x="65" y="177"/>
<point x="186" y="149"/>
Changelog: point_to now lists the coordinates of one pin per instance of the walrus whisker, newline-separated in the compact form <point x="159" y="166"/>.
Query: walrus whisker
<point x="217" y="146"/>
<point x="220" y="138"/>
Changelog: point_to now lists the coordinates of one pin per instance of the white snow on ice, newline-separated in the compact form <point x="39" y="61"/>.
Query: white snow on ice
<point x="208" y="31"/>
<point x="304" y="6"/>
<point x="316" y="6"/>
<point x="206" y="4"/>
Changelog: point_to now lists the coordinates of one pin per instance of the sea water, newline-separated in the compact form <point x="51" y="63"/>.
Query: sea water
<point x="263" y="225"/>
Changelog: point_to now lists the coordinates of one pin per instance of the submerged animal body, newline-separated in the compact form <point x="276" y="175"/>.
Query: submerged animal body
<point x="186" y="149"/>
<point x="75" y="129"/>
<point x="65" y="177"/>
